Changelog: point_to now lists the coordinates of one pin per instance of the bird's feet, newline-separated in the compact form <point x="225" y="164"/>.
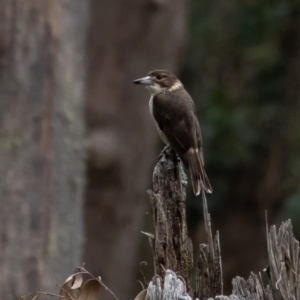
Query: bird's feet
<point x="170" y="156"/>
<point x="164" y="151"/>
<point x="172" y="162"/>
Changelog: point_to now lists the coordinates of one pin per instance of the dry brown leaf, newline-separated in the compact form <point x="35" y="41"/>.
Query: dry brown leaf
<point x="141" y="295"/>
<point x="69" y="278"/>
<point x="67" y="292"/>
<point x="90" y="290"/>
<point x="76" y="280"/>
<point x="70" y="289"/>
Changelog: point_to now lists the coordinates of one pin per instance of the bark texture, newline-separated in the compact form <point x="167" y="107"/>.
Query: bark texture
<point x="126" y="40"/>
<point x="283" y="251"/>
<point x="283" y="270"/>
<point x="172" y="246"/>
<point x="41" y="142"/>
<point x="170" y="288"/>
<point x="209" y="279"/>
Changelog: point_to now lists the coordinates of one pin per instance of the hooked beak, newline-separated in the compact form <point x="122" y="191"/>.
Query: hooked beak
<point x="145" y="81"/>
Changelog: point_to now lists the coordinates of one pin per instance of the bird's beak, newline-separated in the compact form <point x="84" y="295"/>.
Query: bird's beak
<point x="145" y="81"/>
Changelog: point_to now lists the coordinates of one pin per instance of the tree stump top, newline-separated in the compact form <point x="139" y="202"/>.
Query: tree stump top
<point x="173" y="257"/>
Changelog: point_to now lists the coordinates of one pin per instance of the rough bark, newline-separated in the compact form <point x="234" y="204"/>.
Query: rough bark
<point x="283" y="269"/>
<point x="209" y="280"/>
<point x="283" y="251"/>
<point x="41" y="142"/>
<point x="126" y="40"/>
<point x="170" y="288"/>
<point x="172" y="246"/>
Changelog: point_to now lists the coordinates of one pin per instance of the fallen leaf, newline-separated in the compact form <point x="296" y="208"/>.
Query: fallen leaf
<point x="90" y="290"/>
<point x="141" y="295"/>
<point x="77" y="279"/>
<point x="67" y="293"/>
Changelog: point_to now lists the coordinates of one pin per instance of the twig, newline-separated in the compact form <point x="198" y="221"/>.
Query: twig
<point x="64" y="291"/>
<point x="145" y="264"/>
<point x="100" y="280"/>
<point x="25" y="296"/>
<point x="277" y="282"/>
<point x="141" y="284"/>
<point x="163" y="267"/>
<point x="52" y="295"/>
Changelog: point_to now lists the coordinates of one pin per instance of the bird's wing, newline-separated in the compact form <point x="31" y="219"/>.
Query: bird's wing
<point x="177" y="120"/>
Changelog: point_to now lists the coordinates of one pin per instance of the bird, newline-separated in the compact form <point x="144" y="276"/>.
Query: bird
<point x="174" y="114"/>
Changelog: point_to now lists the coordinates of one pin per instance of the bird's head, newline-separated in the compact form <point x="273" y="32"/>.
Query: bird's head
<point x="160" y="81"/>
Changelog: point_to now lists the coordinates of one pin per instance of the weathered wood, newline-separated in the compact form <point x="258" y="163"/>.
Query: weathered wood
<point x="171" y="288"/>
<point x="209" y="282"/>
<point x="284" y="268"/>
<point x="283" y="252"/>
<point x="172" y="250"/>
<point x="172" y="246"/>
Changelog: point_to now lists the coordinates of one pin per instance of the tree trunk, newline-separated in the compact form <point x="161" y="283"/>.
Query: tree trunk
<point x="127" y="39"/>
<point x="41" y="142"/>
<point x="172" y="246"/>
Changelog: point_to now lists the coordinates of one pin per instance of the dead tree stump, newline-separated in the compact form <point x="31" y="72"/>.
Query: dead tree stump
<point x="172" y="247"/>
<point x="209" y="281"/>
<point x="173" y="257"/>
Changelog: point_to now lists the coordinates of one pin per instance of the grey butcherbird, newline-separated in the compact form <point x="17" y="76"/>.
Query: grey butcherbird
<point x="173" y="112"/>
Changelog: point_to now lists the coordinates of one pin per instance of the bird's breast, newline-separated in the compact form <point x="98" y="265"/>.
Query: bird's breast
<point x="160" y="132"/>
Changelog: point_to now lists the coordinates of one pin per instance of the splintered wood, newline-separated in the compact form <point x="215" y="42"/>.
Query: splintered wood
<point x="173" y="257"/>
<point x="209" y="281"/>
<point x="172" y="287"/>
<point x="172" y="246"/>
<point x="283" y="270"/>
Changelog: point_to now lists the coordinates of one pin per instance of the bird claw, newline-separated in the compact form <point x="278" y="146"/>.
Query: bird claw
<point x="171" y="160"/>
<point x="164" y="151"/>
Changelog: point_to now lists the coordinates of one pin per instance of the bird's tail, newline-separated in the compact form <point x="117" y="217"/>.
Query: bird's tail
<point x="198" y="175"/>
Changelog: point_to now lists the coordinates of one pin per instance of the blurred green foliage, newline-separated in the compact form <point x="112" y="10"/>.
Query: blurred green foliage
<point x="238" y="68"/>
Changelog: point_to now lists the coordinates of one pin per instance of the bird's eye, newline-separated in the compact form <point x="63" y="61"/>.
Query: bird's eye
<point x="159" y="77"/>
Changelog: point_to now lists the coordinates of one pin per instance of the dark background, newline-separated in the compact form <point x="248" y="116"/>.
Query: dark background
<point x="78" y="146"/>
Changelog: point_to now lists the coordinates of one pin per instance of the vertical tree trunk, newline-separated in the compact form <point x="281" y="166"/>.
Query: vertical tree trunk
<point x="41" y="142"/>
<point x="127" y="39"/>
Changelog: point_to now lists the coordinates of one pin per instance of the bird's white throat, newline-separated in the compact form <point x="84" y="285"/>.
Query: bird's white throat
<point x="154" y="89"/>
